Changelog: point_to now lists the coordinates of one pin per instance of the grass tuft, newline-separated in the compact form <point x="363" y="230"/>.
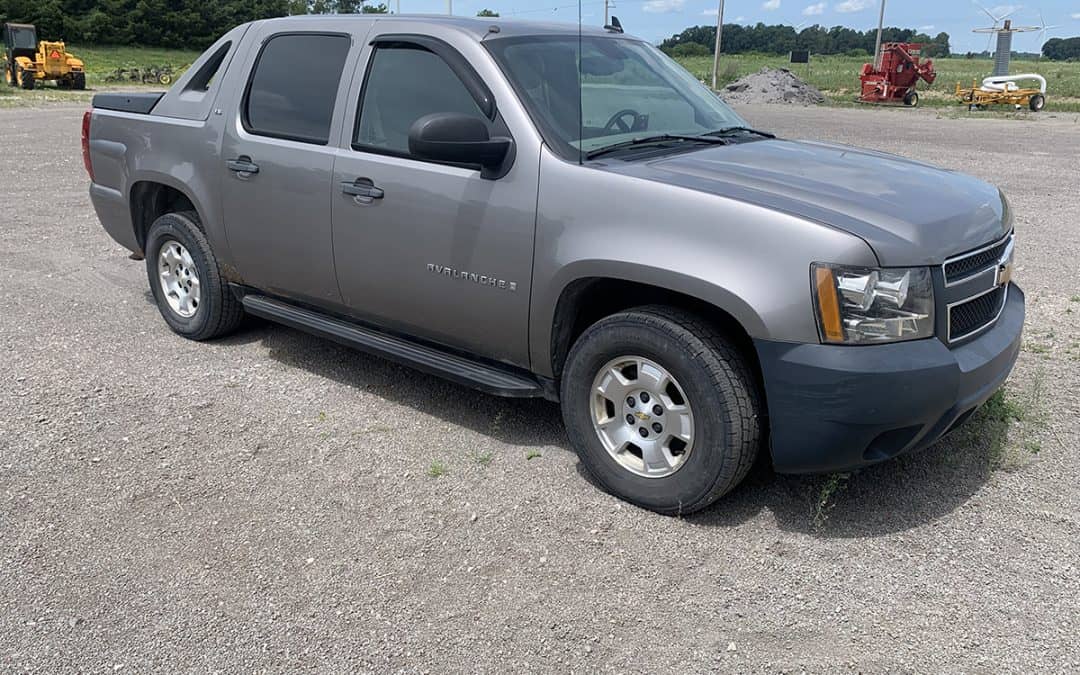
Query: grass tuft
<point x="437" y="469"/>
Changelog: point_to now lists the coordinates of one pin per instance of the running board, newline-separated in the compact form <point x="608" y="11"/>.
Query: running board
<point x="486" y="378"/>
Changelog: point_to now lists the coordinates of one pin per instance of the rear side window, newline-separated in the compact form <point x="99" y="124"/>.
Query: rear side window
<point x="294" y="86"/>
<point x="405" y="83"/>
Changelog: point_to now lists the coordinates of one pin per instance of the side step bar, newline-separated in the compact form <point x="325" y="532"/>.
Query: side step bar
<point x="490" y="379"/>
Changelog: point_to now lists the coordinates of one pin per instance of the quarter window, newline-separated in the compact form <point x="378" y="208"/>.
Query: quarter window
<point x="294" y="87"/>
<point x="404" y="83"/>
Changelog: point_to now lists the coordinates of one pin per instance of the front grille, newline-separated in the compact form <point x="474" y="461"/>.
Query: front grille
<point x="972" y="315"/>
<point x="970" y="264"/>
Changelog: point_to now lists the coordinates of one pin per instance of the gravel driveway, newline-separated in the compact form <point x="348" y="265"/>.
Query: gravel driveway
<point x="273" y="501"/>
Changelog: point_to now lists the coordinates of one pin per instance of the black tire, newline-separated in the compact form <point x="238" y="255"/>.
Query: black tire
<point x="11" y="76"/>
<point x="718" y="384"/>
<point x="1037" y="102"/>
<point x="911" y="99"/>
<point x="78" y="80"/>
<point x="27" y="79"/>
<point x="219" y="312"/>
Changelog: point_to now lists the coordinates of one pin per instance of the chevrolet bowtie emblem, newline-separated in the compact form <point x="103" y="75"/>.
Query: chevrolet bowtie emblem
<point x="641" y="416"/>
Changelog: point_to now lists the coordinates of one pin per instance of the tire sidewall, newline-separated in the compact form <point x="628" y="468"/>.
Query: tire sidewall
<point x="709" y="458"/>
<point x="169" y="227"/>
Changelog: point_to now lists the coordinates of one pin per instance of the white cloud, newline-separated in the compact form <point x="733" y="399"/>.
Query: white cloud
<point x="1075" y="15"/>
<point x="770" y="5"/>
<point x="815" y="9"/>
<point x="929" y="26"/>
<point x="663" y="6"/>
<point x="848" y="6"/>
<point x="740" y="19"/>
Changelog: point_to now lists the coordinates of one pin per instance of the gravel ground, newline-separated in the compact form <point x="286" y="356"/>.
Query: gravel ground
<point x="266" y="502"/>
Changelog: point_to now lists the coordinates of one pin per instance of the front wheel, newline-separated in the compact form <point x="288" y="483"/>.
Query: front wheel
<point x="26" y="79"/>
<point x="186" y="280"/>
<point x="78" y="81"/>
<point x="661" y="408"/>
<point x="911" y="99"/>
<point x="1036" y="102"/>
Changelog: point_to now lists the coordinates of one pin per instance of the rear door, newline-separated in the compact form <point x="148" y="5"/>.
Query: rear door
<point x="440" y="252"/>
<point x="277" y="162"/>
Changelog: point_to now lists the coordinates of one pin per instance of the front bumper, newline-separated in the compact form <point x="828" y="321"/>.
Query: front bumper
<point x="834" y="408"/>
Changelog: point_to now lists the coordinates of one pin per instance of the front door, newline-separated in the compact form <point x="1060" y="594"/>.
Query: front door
<point x="277" y="167"/>
<point x="430" y="249"/>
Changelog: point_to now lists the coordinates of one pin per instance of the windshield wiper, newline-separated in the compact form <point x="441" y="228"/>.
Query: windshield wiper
<point x="659" y="138"/>
<point x="727" y="131"/>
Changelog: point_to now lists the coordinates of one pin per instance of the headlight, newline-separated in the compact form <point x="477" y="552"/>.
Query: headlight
<point x="859" y="305"/>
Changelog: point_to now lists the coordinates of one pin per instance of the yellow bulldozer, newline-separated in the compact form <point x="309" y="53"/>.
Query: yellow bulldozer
<point x="28" y="62"/>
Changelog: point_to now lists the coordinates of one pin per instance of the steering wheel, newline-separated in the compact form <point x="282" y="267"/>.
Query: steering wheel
<point x="639" y="122"/>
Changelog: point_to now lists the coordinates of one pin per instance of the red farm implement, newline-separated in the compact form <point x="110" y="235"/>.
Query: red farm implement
<point x="893" y="83"/>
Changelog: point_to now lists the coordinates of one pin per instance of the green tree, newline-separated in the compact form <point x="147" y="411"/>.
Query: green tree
<point x="487" y="12"/>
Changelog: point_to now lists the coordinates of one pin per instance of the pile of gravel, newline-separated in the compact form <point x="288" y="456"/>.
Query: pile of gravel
<point x="771" y="85"/>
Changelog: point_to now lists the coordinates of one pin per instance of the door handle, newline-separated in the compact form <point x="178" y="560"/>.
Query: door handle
<point x="363" y="190"/>
<point x="243" y="166"/>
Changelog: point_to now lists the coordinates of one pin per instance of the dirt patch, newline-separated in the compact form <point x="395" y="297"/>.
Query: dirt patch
<point x="772" y="85"/>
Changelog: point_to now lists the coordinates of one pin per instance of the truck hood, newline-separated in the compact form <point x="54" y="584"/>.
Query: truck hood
<point x="910" y="213"/>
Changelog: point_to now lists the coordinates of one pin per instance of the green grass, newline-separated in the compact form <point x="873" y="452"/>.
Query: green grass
<point x="826" y="498"/>
<point x="838" y="76"/>
<point x="437" y="469"/>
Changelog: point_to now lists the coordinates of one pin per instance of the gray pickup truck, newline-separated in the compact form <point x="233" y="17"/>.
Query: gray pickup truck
<point x="534" y="212"/>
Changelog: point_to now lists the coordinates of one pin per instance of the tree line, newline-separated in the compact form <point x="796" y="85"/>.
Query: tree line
<point x="1062" y="49"/>
<point x="780" y="39"/>
<point x="182" y="24"/>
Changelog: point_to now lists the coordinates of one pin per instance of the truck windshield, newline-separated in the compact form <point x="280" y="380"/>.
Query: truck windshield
<point x="629" y="90"/>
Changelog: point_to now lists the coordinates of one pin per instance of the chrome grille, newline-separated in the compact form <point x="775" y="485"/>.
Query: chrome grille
<point x="980" y="279"/>
<point x="972" y="262"/>
<point x="970" y="316"/>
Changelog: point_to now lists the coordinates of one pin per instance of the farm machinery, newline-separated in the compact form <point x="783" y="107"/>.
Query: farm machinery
<point x="27" y="61"/>
<point x="153" y="75"/>
<point x="1003" y="90"/>
<point x="892" y="81"/>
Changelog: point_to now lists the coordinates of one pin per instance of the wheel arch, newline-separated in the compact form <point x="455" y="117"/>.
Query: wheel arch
<point x="586" y="299"/>
<point x="151" y="198"/>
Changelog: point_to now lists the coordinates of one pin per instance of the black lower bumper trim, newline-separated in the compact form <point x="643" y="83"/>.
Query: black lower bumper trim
<point x="834" y="408"/>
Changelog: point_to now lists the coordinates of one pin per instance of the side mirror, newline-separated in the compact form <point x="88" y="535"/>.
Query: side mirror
<point x="456" y="138"/>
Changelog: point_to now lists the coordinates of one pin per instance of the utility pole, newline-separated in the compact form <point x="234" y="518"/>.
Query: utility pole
<point x="449" y="7"/>
<point x="719" y="32"/>
<point x="606" y="22"/>
<point x="877" y="45"/>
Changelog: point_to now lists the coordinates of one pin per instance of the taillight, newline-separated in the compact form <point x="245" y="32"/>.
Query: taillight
<point x="86" y="144"/>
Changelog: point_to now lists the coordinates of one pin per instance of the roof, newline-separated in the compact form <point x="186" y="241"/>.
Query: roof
<point x="477" y="27"/>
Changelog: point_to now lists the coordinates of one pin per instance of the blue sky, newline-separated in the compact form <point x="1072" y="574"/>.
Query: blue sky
<point x="657" y="19"/>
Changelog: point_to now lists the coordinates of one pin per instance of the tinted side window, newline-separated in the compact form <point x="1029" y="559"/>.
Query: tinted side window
<point x="293" y="88"/>
<point x="405" y="83"/>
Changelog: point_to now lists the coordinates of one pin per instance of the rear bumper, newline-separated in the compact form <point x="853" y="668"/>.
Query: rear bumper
<point x="834" y="408"/>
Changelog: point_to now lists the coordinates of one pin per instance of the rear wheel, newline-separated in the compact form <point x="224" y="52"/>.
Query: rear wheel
<point x="1036" y="102"/>
<point x="911" y="99"/>
<point x="661" y="408"/>
<point x="186" y="280"/>
<point x="78" y="80"/>
<point x="9" y="75"/>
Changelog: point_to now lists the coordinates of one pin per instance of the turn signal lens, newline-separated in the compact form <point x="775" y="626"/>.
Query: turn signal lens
<point x="828" y="305"/>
